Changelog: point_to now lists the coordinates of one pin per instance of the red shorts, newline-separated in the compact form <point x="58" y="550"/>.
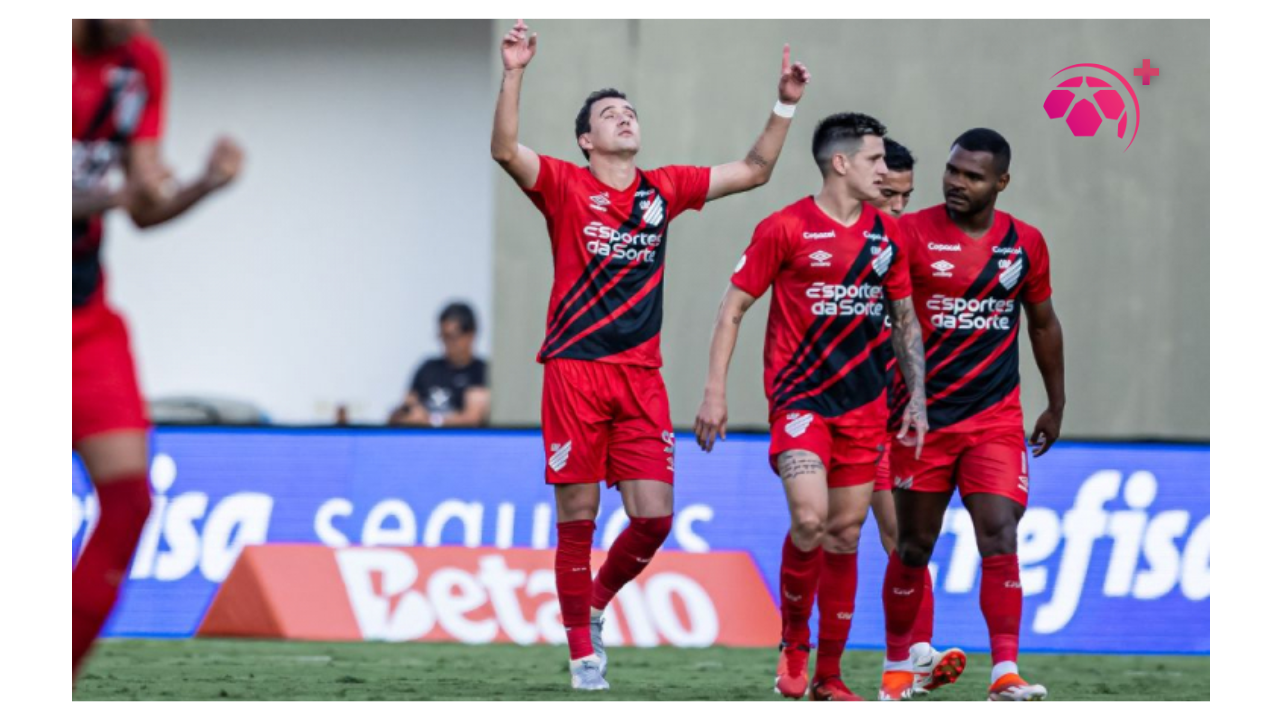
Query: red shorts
<point x="994" y="461"/>
<point x="104" y="388"/>
<point x="850" y="453"/>
<point x="884" y="479"/>
<point x="604" y="421"/>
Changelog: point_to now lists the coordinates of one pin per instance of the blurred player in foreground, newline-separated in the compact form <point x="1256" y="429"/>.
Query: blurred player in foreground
<point x="117" y="114"/>
<point x="974" y="270"/>
<point x="931" y="668"/>
<point x="605" y="414"/>
<point x="838" y="273"/>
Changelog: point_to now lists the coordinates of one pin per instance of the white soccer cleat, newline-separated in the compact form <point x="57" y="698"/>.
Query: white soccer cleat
<point x="933" y="669"/>
<point x="1013" y="688"/>
<point x="597" y="643"/>
<point x="585" y="674"/>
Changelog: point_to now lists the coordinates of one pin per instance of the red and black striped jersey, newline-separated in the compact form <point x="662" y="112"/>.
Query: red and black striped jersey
<point x="968" y="296"/>
<point x="609" y="248"/>
<point x="117" y="98"/>
<point x="826" y="345"/>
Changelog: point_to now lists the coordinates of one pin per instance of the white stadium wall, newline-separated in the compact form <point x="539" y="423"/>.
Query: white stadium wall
<point x="365" y="205"/>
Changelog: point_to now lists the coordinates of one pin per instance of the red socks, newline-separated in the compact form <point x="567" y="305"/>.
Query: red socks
<point x="836" y="590"/>
<point x="902" y="595"/>
<point x="922" y="631"/>
<point x="1001" y="600"/>
<point x="800" y="573"/>
<point x="628" y="557"/>
<point x="124" y="506"/>
<point x="573" y="583"/>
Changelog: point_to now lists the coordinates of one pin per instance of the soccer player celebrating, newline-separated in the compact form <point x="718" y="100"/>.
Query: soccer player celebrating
<point x="834" y="262"/>
<point x="604" y="408"/>
<point x="931" y="668"/>
<point x="974" y="270"/>
<point x="117" y="108"/>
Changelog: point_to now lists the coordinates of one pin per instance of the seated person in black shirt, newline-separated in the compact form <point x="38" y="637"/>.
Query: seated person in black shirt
<point x="449" y="391"/>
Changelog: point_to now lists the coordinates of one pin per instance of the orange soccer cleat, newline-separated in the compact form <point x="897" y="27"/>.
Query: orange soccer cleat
<point x="1011" y="687"/>
<point x="793" y="671"/>
<point x="897" y="685"/>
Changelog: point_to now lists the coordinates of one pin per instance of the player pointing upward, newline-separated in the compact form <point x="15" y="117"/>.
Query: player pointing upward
<point x="604" y="406"/>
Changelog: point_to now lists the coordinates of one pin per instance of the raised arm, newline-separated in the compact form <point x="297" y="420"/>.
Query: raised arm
<point x="755" y="169"/>
<point x="1045" y="333"/>
<point x="908" y="346"/>
<point x="713" y="415"/>
<point x="521" y="163"/>
<point x="151" y="194"/>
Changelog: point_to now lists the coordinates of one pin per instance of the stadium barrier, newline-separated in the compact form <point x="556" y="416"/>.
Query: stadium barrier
<point x="481" y="595"/>
<point x="1114" y="545"/>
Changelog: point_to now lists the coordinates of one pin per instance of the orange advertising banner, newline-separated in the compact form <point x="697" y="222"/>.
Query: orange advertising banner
<point x="482" y="595"/>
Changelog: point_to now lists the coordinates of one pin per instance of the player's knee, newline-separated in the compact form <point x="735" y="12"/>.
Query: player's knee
<point x="807" y="531"/>
<point x="653" y="529"/>
<point x="843" y="539"/>
<point x="888" y="540"/>
<point x="1001" y="540"/>
<point x="915" y="552"/>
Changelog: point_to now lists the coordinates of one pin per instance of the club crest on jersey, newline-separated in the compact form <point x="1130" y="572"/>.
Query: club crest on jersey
<point x="822" y="258"/>
<point x="797" y="423"/>
<point x="599" y="202"/>
<point x="654" y="212"/>
<point x="1012" y="274"/>
<point x="559" y="455"/>
<point x="881" y="262"/>
<point x="942" y="268"/>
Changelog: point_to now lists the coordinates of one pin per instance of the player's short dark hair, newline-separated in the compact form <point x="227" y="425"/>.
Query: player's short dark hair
<point x="460" y="313"/>
<point x="842" y="128"/>
<point x="582" y="124"/>
<point x="987" y="140"/>
<point x="897" y="157"/>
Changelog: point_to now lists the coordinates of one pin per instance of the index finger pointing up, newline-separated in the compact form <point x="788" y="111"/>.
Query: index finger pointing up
<point x="786" y="58"/>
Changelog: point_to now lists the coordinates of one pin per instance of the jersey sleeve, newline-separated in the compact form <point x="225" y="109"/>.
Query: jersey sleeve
<point x="1038" y="287"/>
<point x="897" y="283"/>
<point x="689" y="186"/>
<point x="547" y="192"/>
<point x="763" y="259"/>
<point x="154" y="68"/>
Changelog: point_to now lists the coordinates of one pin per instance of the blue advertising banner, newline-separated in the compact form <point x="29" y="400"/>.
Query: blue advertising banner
<point x="1114" y="545"/>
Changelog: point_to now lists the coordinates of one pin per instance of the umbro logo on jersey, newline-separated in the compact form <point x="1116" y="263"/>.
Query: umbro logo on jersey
<point x="654" y="214"/>
<point x="829" y="235"/>
<point x="821" y="258"/>
<point x="560" y="455"/>
<point x="797" y="423"/>
<point x="942" y="268"/>
<point x="1011" y="274"/>
<point x="599" y="202"/>
<point x="904" y="483"/>
<point x="881" y="262"/>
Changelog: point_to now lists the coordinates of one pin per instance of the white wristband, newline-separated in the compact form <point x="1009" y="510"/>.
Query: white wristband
<point x="782" y="109"/>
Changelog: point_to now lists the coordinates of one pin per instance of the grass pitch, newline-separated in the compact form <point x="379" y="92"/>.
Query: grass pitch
<point x="268" y="670"/>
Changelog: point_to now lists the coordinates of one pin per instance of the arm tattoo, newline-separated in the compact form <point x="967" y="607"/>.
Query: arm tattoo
<point x="755" y="158"/>
<point x="908" y="344"/>
<point x="794" y="463"/>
